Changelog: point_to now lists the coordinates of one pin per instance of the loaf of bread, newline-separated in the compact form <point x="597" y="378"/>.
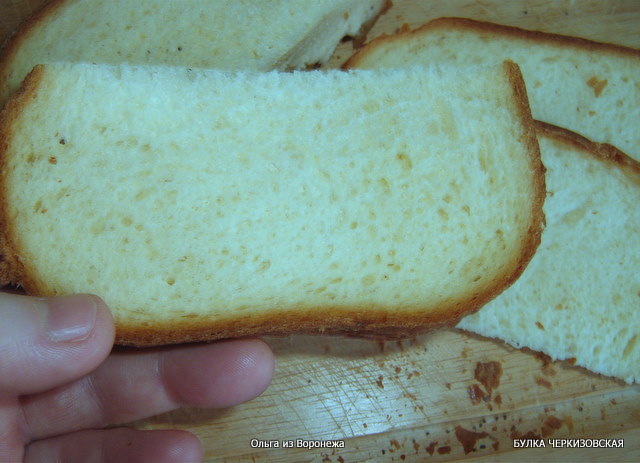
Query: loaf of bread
<point x="203" y="204"/>
<point x="228" y="34"/>
<point x="578" y="299"/>
<point x="590" y="88"/>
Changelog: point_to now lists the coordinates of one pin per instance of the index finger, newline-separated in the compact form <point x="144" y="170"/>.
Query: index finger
<point x="138" y="384"/>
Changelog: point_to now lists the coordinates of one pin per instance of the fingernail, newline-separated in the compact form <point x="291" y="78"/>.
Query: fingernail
<point x="70" y="318"/>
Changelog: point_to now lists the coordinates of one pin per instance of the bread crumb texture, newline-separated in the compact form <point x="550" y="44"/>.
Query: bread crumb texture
<point x="579" y="296"/>
<point x="184" y="194"/>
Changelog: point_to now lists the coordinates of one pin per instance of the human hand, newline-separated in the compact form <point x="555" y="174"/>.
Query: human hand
<point x="60" y="384"/>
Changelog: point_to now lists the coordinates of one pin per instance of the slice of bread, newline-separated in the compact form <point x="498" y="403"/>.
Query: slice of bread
<point x="590" y="88"/>
<point x="203" y="204"/>
<point x="578" y="299"/>
<point x="228" y="34"/>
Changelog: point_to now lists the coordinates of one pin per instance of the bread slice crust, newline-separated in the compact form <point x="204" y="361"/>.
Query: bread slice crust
<point x="500" y="29"/>
<point x="13" y="42"/>
<point x="12" y="270"/>
<point x="359" y="320"/>
<point x="604" y="151"/>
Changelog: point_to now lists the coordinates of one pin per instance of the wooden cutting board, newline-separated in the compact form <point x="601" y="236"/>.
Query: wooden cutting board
<point x="424" y="399"/>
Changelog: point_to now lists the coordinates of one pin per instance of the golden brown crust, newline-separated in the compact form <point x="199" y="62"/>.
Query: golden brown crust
<point x="366" y="321"/>
<point x="497" y="29"/>
<point x="22" y="33"/>
<point x="537" y="167"/>
<point x="11" y="268"/>
<point x="604" y="151"/>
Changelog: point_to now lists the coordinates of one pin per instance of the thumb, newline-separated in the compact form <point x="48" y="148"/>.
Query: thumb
<point x="48" y="342"/>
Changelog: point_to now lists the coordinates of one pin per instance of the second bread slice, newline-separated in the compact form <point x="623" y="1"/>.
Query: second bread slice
<point x="207" y="204"/>
<point x="578" y="298"/>
<point x="587" y="87"/>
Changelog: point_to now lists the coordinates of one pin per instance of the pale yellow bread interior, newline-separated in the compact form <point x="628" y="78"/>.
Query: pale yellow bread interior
<point x="208" y="204"/>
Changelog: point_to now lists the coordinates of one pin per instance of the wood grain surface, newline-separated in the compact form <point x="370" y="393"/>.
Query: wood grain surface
<point x="422" y="399"/>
